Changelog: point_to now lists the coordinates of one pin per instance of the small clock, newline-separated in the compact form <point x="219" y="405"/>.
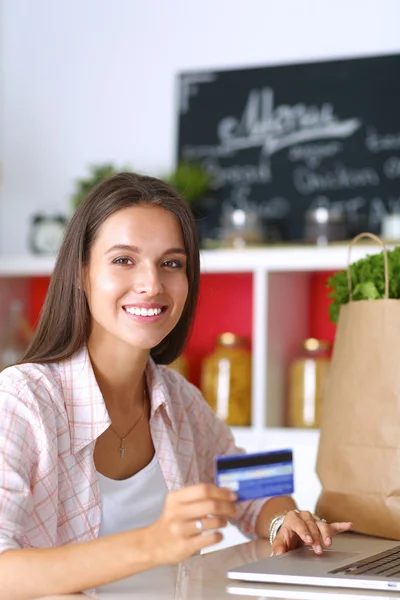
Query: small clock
<point x="46" y="233"/>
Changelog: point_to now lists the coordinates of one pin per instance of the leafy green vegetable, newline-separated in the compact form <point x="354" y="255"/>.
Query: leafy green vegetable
<point x="368" y="281"/>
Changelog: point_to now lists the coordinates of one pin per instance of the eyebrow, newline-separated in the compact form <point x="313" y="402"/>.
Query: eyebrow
<point x="137" y="250"/>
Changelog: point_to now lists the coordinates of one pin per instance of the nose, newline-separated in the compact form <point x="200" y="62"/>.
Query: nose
<point x="148" y="280"/>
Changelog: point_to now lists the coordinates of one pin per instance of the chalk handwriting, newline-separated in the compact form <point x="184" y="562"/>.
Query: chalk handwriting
<point x="273" y="128"/>
<point x="313" y="154"/>
<point x="190" y="86"/>
<point x="378" y="143"/>
<point x="340" y="178"/>
<point x="198" y="152"/>
<point x="391" y="167"/>
<point x="235" y="174"/>
<point x="276" y="207"/>
<point x="375" y="208"/>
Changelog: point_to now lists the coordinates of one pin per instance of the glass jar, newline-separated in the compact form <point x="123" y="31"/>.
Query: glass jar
<point x="308" y="376"/>
<point x="324" y="223"/>
<point x="226" y="380"/>
<point x="180" y="365"/>
<point x="239" y="227"/>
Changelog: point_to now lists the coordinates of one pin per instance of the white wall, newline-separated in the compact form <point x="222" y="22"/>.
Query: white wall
<point x="93" y="80"/>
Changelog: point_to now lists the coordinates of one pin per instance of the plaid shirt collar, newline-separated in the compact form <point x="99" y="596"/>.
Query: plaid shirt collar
<point x="87" y="412"/>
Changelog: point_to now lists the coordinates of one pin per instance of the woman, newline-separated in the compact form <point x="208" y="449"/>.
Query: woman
<point x="106" y="466"/>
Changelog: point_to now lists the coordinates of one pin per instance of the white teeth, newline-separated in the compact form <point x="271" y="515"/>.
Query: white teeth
<point x="143" y="312"/>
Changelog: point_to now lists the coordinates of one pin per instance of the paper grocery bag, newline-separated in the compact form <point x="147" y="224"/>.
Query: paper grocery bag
<point x="358" y="460"/>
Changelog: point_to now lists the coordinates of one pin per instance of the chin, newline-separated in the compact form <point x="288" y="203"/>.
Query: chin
<point x="144" y="345"/>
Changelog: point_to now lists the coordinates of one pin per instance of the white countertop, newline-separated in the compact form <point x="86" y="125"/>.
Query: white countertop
<point x="204" y="578"/>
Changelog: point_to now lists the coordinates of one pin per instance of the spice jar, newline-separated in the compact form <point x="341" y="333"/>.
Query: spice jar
<point x="240" y="228"/>
<point x="324" y="223"/>
<point x="226" y="379"/>
<point x="308" y="376"/>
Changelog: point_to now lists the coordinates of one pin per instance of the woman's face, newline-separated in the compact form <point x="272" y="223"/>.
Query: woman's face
<point x="135" y="282"/>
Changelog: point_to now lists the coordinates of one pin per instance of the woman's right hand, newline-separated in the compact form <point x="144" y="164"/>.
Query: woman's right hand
<point x="177" y="534"/>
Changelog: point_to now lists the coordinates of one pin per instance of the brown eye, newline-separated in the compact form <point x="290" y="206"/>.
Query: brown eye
<point x="122" y="260"/>
<point x="173" y="264"/>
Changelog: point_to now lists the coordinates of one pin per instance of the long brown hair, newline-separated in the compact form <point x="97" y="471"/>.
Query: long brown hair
<point x="64" y="323"/>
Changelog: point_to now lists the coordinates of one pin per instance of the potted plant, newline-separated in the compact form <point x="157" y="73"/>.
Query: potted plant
<point x="97" y="173"/>
<point x="191" y="180"/>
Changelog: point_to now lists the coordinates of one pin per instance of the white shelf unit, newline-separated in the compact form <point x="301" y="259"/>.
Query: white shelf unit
<point x="280" y="300"/>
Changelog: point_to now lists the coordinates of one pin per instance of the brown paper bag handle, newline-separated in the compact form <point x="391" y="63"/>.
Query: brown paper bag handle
<point x="378" y="240"/>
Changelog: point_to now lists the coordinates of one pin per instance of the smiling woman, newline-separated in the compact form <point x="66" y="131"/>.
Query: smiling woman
<point x="107" y="455"/>
<point x="135" y="283"/>
<point x="61" y="332"/>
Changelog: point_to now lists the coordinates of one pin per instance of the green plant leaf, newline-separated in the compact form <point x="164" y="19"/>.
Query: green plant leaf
<point x="368" y="281"/>
<point x="191" y="180"/>
<point x="97" y="173"/>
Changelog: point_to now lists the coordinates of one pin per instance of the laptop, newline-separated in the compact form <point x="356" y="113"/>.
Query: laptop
<point x="353" y="561"/>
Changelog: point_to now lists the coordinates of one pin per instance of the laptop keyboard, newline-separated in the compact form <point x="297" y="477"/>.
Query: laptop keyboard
<point x="385" y="564"/>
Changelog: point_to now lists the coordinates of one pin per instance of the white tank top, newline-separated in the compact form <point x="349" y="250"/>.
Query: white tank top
<point x="134" y="502"/>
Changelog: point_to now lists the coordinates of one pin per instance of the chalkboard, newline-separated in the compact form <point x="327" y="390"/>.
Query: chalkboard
<point x="282" y="137"/>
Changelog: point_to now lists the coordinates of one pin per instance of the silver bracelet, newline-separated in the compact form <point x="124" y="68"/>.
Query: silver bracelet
<point x="274" y="527"/>
<point x="277" y="522"/>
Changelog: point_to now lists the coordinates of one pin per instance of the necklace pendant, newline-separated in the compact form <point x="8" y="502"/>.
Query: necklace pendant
<point x="122" y="450"/>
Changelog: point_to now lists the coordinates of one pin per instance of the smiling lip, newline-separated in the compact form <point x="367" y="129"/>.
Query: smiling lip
<point x="145" y="311"/>
<point x="146" y="305"/>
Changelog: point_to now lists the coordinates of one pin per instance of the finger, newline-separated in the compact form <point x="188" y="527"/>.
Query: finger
<point x="325" y="531"/>
<point x="279" y="549"/>
<point x="314" y="531"/>
<point x="285" y="540"/>
<point x="199" y="542"/>
<point x="207" y="524"/>
<point x="296" y="523"/>
<point x="202" y="509"/>
<point x="204" y="491"/>
<point x="340" y="527"/>
<point x="315" y="534"/>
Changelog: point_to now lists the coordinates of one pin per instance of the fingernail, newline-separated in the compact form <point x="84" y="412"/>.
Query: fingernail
<point x="233" y="496"/>
<point x="272" y="554"/>
<point x="278" y="552"/>
<point x="318" y="549"/>
<point x="308" y="539"/>
<point x="328" y="541"/>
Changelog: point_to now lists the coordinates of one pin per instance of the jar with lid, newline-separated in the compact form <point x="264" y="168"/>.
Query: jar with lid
<point x="308" y="375"/>
<point x="240" y="228"/>
<point x="324" y="223"/>
<point x="226" y="379"/>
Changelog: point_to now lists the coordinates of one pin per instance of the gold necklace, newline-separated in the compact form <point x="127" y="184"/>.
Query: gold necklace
<point x="122" y="448"/>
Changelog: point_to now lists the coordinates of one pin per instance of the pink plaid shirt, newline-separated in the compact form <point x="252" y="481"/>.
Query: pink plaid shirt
<point x="51" y="416"/>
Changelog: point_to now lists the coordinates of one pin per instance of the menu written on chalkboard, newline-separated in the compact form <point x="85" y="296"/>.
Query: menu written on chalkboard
<point x="282" y="138"/>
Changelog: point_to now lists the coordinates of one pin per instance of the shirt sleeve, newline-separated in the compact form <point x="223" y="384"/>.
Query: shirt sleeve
<point x="18" y="457"/>
<point x="215" y="439"/>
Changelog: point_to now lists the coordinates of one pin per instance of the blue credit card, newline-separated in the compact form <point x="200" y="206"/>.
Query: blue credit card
<point x="258" y="475"/>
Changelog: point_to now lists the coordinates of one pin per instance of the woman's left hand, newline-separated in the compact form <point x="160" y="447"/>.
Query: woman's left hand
<point x="302" y="528"/>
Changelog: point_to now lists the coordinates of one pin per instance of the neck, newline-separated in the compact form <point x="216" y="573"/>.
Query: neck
<point x="120" y="376"/>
